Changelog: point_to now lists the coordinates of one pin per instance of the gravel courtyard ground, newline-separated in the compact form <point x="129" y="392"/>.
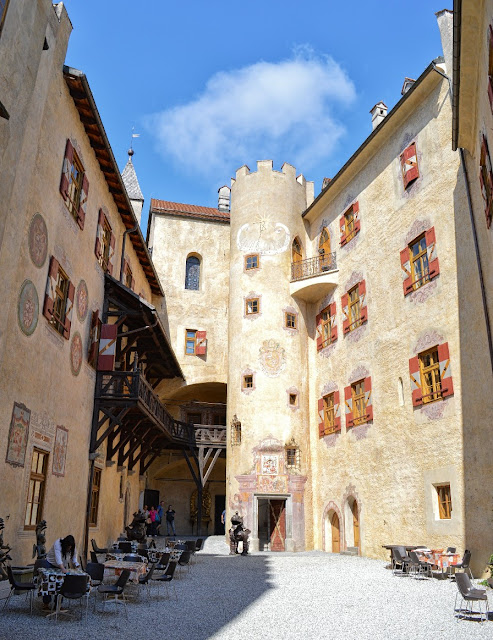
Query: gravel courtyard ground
<point x="276" y="596"/>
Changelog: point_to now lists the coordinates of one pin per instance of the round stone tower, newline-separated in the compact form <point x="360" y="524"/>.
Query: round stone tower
<point x="268" y="439"/>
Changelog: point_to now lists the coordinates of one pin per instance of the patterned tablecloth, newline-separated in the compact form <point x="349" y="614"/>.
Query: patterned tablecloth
<point x="113" y="568"/>
<point x="440" y="560"/>
<point x="155" y="554"/>
<point x="50" y="580"/>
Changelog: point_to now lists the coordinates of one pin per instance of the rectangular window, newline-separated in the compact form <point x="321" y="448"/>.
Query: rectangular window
<point x="95" y="491"/>
<point x="190" y="342"/>
<point x="420" y="271"/>
<point x="104" y="257"/>
<point x="293" y="399"/>
<point x="354" y="310"/>
<point x="252" y="262"/>
<point x="76" y="174"/>
<point x="326" y="327"/>
<point x="349" y="224"/>
<point x="358" y="397"/>
<point x="251" y="306"/>
<point x="293" y="457"/>
<point x="444" y="501"/>
<point x="248" y="382"/>
<point x="290" y="320"/>
<point x="36" y="491"/>
<point x="329" y="413"/>
<point x="128" y="276"/>
<point x="429" y="367"/>
<point x="60" y="301"/>
<point x="194" y="418"/>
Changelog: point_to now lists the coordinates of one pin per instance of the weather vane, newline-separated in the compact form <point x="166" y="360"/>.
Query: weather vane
<point x="134" y="135"/>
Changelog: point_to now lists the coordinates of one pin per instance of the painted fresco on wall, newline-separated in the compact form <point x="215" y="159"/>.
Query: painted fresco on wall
<point x="60" y="451"/>
<point x="38" y="240"/>
<point x="18" y="435"/>
<point x="269" y="464"/>
<point x="82" y="300"/>
<point x="272" y="358"/>
<point x="28" y="308"/>
<point x="76" y="354"/>
<point x="263" y="236"/>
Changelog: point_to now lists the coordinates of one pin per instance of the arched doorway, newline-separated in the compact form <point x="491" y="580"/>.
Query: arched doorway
<point x="332" y="532"/>
<point x="352" y="516"/>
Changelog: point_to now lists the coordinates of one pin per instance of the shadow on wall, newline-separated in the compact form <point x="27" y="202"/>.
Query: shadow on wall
<point x="476" y="380"/>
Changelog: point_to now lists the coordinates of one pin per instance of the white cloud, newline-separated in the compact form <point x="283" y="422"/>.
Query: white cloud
<point x="282" y="111"/>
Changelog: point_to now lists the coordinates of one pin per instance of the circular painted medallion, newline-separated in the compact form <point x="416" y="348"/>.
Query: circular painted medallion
<point x="272" y="358"/>
<point x="76" y="354"/>
<point x="38" y="240"/>
<point x="28" y="308"/>
<point x="82" y="300"/>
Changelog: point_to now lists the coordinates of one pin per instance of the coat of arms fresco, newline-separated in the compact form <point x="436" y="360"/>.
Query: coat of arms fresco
<point x="272" y="358"/>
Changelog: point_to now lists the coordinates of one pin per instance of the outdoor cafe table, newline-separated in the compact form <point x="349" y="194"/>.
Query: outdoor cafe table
<point x="155" y="554"/>
<point x="113" y="568"/>
<point x="50" y="580"/>
<point x="438" y="558"/>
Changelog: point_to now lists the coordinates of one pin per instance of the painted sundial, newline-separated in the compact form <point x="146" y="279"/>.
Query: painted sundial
<point x="264" y="236"/>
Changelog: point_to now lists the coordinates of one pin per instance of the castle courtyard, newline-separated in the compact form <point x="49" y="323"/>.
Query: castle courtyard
<point x="267" y="595"/>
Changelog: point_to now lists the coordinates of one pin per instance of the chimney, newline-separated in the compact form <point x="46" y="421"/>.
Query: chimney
<point x="224" y="198"/>
<point x="325" y="183"/>
<point x="445" y="20"/>
<point x="378" y="113"/>
<point x="408" y="83"/>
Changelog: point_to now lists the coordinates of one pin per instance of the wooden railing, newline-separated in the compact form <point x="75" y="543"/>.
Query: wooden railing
<point x="315" y="266"/>
<point x="130" y="387"/>
<point x="211" y="435"/>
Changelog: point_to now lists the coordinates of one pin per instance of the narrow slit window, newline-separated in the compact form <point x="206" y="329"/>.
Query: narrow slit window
<point x="190" y="342"/>
<point x="444" y="501"/>
<point x="192" y="275"/>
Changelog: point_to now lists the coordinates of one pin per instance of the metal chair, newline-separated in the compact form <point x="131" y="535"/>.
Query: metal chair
<point x="16" y="587"/>
<point x="399" y="565"/>
<point x="116" y="590"/>
<point x="74" y="587"/>
<point x="163" y="561"/>
<point x="198" y="544"/>
<point x="144" y="580"/>
<point x="97" y="549"/>
<point x="166" y="578"/>
<point x="469" y="594"/>
<point x="464" y="564"/>
<point x="96" y="571"/>
<point x="417" y="567"/>
<point x="94" y="557"/>
<point x="184" y="560"/>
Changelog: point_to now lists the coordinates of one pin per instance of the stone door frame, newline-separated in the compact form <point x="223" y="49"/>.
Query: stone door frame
<point x="288" y="542"/>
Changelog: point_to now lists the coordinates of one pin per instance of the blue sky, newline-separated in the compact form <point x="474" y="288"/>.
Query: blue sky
<point x="211" y="86"/>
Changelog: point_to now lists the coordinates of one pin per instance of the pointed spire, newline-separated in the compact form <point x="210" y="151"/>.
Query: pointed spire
<point x="130" y="179"/>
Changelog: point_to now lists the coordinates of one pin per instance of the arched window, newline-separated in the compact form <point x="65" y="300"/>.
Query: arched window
<point x="324" y="242"/>
<point x="297" y="251"/>
<point x="192" y="276"/>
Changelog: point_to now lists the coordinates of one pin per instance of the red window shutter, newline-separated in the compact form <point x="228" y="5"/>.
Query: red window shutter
<point x="67" y="165"/>
<point x="98" y="249"/>
<point x="348" y="401"/>
<point x="433" y="266"/>
<point x="357" y="223"/>
<point x="81" y="214"/>
<point x="93" y="338"/>
<point x="406" y="268"/>
<point x="368" y="399"/>
<point x="409" y="165"/>
<point x="318" y="322"/>
<point x="414" y="374"/>
<point x="342" y="223"/>
<point x="362" y="301"/>
<point x="107" y="347"/>
<point x="337" y="411"/>
<point x="69" y="307"/>
<point x="445" y="370"/>
<point x="333" y="326"/>
<point x="50" y="288"/>
<point x="344" y="305"/>
<point x="321" y="424"/>
<point x="112" y="253"/>
<point x="201" y="343"/>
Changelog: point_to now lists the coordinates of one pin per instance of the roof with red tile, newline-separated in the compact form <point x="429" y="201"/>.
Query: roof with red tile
<point x="188" y="210"/>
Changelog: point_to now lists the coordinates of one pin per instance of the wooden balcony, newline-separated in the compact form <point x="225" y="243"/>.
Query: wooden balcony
<point x="313" y="278"/>
<point x="130" y="390"/>
<point x="210" y="435"/>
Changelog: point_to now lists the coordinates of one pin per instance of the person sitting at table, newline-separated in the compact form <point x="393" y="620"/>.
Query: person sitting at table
<point x="60" y="556"/>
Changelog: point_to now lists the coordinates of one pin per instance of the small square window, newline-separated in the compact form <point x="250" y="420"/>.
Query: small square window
<point x="248" y="381"/>
<point x="290" y="320"/>
<point x="444" y="501"/>
<point x="252" y="306"/>
<point x="252" y="261"/>
<point x="293" y="399"/>
<point x="190" y="342"/>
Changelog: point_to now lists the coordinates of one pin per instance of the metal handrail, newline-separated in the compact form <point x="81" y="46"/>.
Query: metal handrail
<point x="315" y="266"/>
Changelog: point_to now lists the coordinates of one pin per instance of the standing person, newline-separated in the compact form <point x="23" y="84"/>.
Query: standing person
<point x="170" y="520"/>
<point x="62" y="554"/>
<point x="145" y="511"/>
<point x="160" y="515"/>
<point x="152" y="516"/>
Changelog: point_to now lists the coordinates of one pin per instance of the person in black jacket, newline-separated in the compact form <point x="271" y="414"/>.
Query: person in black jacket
<point x="170" y="520"/>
